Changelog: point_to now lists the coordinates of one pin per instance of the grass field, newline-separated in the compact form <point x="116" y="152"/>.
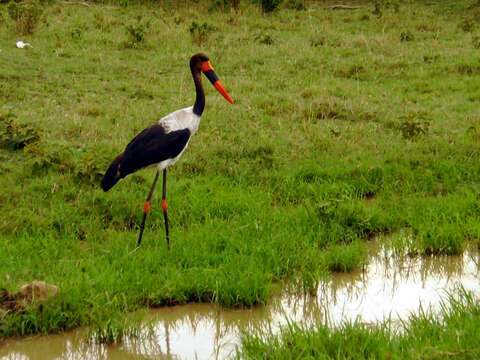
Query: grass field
<point x="347" y="124"/>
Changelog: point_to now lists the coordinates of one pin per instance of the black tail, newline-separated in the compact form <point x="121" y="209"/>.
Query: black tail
<point x="112" y="175"/>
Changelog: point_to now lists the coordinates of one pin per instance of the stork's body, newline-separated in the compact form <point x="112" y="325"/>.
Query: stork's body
<point x="159" y="145"/>
<point x="163" y="143"/>
<point x="183" y="122"/>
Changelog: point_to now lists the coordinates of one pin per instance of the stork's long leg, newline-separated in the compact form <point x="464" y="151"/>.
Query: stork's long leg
<point x="146" y="207"/>
<point x="164" y="205"/>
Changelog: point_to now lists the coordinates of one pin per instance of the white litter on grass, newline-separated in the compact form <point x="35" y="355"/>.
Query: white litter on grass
<point x="21" y="44"/>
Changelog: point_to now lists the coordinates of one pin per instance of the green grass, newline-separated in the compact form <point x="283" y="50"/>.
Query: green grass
<point x="340" y="131"/>
<point x="451" y="334"/>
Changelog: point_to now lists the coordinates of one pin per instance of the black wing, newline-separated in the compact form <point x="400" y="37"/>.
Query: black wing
<point x="149" y="147"/>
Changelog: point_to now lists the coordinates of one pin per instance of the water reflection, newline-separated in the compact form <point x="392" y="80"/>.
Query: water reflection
<point x="386" y="288"/>
<point x="393" y="289"/>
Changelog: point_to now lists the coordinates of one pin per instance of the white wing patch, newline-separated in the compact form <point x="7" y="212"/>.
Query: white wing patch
<point x="181" y="119"/>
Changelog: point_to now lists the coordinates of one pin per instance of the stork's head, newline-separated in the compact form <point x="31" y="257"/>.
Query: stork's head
<point x="201" y="63"/>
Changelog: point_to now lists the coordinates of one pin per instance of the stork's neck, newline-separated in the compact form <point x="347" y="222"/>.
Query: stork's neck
<point x="200" y="100"/>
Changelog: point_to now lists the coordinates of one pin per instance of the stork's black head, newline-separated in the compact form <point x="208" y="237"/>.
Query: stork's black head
<point x="201" y="63"/>
<point x="197" y="60"/>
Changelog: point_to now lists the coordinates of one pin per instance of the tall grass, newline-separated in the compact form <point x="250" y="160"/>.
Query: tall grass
<point x="450" y="334"/>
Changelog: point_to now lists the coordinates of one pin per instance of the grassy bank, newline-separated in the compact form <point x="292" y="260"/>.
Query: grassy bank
<point x="346" y="124"/>
<point x="451" y="334"/>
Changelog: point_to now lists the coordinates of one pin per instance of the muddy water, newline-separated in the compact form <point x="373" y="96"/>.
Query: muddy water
<point x="386" y="288"/>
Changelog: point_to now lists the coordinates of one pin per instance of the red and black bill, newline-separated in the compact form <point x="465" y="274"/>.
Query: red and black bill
<point x="209" y="72"/>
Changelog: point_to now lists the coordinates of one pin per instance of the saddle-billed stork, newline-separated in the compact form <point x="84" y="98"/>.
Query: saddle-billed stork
<point x="163" y="143"/>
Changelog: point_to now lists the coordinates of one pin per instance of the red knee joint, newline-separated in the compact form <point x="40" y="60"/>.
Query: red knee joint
<point x="164" y="205"/>
<point x="146" y="207"/>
